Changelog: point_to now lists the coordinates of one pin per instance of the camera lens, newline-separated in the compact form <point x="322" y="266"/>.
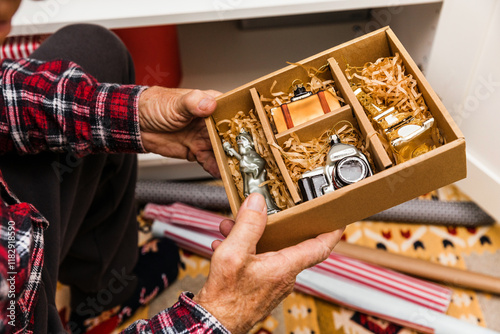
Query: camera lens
<point x="350" y="170"/>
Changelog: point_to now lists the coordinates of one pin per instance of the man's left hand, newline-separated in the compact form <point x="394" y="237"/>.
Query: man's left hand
<point x="172" y="124"/>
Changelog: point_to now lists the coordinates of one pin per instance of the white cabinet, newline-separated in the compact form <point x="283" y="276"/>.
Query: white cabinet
<point x="464" y="70"/>
<point x="46" y="16"/>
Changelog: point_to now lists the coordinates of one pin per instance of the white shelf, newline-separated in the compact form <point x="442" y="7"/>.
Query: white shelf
<point x="46" y="16"/>
<point x="154" y="166"/>
<point x="468" y="81"/>
<point x="221" y="56"/>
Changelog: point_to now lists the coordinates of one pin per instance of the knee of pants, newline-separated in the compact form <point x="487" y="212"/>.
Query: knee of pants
<point x="98" y="50"/>
<point x="102" y="38"/>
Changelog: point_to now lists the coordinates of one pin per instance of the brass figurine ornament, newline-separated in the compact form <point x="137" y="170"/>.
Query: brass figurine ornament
<point x="252" y="168"/>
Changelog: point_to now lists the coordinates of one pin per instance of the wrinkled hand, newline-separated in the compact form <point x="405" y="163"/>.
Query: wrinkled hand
<point x="244" y="287"/>
<point x="171" y="123"/>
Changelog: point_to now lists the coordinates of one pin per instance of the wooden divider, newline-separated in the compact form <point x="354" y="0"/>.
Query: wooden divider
<point x="309" y="130"/>
<point x="268" y="131"/>
<point x="381" y="158"/>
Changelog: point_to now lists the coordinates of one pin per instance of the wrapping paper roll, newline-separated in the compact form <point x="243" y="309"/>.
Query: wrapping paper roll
<point x="192" y="193"/>
<point x="371" y="289"/>
<point x="385" y="306"/>
<point x="415" y="211"/>
<point x="186" y="216"/>
<point x="19" y="46"/>
<point x="435" y="212"/>
<point x="195" y="228"/>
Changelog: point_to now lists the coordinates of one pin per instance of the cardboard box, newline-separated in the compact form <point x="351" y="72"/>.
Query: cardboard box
<point x="389" y="186"/>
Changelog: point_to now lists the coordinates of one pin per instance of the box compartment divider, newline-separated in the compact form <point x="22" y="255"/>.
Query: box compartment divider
<point x="268" y="132"/>
<point x="380" y="155"/>
<point x="309" y="130"/>
<point x="444" y="121"/>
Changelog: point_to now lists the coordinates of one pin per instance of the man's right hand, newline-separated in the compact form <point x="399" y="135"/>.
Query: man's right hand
<point x="244" y="287"/>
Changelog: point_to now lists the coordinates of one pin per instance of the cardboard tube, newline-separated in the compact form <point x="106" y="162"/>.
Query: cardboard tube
<point x="421" y="268"/>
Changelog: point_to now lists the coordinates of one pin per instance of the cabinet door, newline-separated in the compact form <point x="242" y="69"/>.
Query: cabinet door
<point x="464" y="69"/>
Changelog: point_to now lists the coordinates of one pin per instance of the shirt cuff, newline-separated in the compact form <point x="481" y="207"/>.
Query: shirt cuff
<point x="115" y="123"/>
<point x="199" y="312"/>
<point x="185" y="316"/>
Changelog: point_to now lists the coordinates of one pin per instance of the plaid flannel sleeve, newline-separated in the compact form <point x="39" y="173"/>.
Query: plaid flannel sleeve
<point x="184" y="317"/>
<point x="57" y="106"/>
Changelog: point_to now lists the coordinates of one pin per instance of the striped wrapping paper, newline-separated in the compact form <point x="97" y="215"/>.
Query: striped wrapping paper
<point x="181" y="216"/>
<point x="185" y="215"/>
<point x="192" y="229"/>
<point x="368" y="288"/>
<point x="19" y="46"/>
<point x="382" y="305"/>
<point x="417" y="291"/>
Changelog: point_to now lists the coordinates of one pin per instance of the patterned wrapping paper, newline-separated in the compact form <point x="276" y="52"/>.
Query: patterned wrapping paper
<point x="417" y="291"/>
<point x="418" y="211"/>
<point x="201" y="195"/>
<point x="449" y="246"/>
<point x="185" y="215"/>
<point x="410" y="300"/>
<point x="304" y="313"/>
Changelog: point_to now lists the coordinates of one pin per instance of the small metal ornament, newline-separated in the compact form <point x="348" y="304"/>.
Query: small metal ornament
<point x="252" y="168"/>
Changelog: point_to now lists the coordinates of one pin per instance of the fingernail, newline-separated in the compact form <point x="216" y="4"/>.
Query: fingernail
<point x="206" y="103"/>
<point x="256" y="202"/>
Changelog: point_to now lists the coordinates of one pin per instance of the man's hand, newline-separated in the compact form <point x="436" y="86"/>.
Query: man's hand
<point x="243" y="287"/>
<point x="172" y="124"/>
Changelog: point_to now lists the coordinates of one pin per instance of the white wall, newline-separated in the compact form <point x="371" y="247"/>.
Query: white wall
<point x="464" y="69"/>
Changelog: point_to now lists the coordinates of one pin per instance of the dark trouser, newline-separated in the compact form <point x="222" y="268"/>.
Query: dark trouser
<point x="91" y="242"/>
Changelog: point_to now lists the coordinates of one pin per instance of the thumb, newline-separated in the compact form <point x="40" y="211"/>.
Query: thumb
<point x="249" y="225"/>
<point x="196" y="103"/>
<point x="171" y="109"/>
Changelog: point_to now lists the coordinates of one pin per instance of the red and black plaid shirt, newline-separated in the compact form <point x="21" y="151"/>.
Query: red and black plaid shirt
<point x="57" y="106"/>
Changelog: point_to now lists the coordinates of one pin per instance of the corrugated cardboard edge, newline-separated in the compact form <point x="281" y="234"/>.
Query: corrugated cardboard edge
<point x="266" y="126"/>
<point x="429" y="95"/>
<point x="382" y="159"/>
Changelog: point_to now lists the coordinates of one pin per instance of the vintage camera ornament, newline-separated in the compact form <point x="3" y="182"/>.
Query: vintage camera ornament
<point x="345" y="165"/>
